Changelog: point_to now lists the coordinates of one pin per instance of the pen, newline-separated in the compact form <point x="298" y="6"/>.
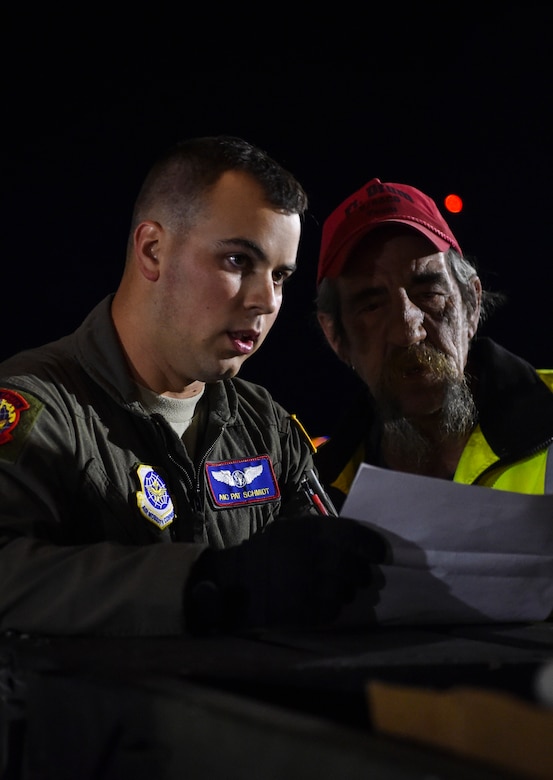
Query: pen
<point x="317" y="495"/>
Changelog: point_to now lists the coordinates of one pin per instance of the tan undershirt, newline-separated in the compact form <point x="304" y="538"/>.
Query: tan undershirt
<point x="184" y="415"/>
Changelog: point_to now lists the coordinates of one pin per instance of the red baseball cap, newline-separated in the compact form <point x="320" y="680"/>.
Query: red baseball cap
<point x="377" y="203"/>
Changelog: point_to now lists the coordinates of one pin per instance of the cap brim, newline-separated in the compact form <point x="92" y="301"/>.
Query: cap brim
<point x="332" y="268"/>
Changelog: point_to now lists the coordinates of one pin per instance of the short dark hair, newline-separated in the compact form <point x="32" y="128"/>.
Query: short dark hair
<point x="178" y="180"/>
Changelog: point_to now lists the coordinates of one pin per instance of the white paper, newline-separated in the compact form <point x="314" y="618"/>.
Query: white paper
<point x="458" y="553"/>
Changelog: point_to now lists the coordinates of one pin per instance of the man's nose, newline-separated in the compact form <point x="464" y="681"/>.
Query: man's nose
<point x="261" y="293"/>
<point x="407" y="322"/>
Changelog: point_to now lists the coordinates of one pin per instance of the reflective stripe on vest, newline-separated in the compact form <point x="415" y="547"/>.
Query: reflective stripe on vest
<point x="548" y="483"/>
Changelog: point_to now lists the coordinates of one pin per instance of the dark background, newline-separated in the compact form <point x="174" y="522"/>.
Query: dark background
<point x="446" y="99"/>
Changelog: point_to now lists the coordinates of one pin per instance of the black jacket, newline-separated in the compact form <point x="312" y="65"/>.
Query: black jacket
<point x="102" y="511"/>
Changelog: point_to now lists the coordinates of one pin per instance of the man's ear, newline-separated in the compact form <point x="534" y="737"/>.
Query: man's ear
<point x="147" y="238"/>
<point x="336" y="342"/>
<point x="474" y="315"/>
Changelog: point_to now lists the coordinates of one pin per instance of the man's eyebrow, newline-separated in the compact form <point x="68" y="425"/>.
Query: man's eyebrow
<point x="370" y="291"/>
<point x="418" y="278"/>
<point x="245" y="243"/>
<point x="429" y="276"/>
<point x="425" y="278"/>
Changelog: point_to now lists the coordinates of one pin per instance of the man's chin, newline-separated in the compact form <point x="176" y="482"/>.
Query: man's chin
<point x="424" y="402"/>
<point x="228" y="368"/>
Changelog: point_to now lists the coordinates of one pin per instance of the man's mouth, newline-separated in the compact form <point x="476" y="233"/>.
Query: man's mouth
<point x="419" y="361"/>
<point x="415" y="365"/>
<point x="243" y="341"/>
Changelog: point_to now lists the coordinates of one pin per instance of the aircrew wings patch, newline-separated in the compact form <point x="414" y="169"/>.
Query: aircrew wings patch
<point x="244" y="481"/>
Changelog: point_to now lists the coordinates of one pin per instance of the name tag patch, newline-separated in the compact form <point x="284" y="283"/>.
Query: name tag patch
<point x="239" y="482"/>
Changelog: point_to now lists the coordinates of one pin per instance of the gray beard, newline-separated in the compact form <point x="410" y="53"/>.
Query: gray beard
<point x="403" y="440"/>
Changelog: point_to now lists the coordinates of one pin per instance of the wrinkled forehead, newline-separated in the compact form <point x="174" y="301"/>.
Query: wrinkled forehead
<point x="390" y="248"/>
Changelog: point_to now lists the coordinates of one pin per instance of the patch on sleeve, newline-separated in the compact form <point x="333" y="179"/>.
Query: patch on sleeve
<point x="240" y="482"/>
<point x="18" y="414"/>
<point x="153" y="500"/>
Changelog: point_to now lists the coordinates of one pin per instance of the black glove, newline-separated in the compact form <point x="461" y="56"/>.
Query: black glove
<point x="295" y="572"/>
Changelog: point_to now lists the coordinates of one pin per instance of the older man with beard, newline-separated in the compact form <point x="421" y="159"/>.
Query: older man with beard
<point x="400" y="303"/>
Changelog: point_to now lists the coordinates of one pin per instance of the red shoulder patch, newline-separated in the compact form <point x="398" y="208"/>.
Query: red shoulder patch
<point x="11" y="406"/>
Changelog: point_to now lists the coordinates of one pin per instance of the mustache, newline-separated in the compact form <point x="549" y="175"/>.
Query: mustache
<point x="415" y="358"/>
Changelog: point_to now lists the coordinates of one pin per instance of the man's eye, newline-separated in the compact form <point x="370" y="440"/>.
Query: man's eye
<point x="431" y="302"/>
<point x="371" y="304"/>
<point x="279" y="277"/>
<point x="433" y="298"/>
<point x="237" y="260"/>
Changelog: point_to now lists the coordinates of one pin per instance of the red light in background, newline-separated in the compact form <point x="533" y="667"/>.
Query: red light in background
<point x="453" y="203"/>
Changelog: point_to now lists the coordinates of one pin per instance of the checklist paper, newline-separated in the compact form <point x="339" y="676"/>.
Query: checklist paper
<point x="456" y="553"/>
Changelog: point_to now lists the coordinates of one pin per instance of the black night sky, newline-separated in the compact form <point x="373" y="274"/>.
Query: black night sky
<point x="454" y="102"/>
